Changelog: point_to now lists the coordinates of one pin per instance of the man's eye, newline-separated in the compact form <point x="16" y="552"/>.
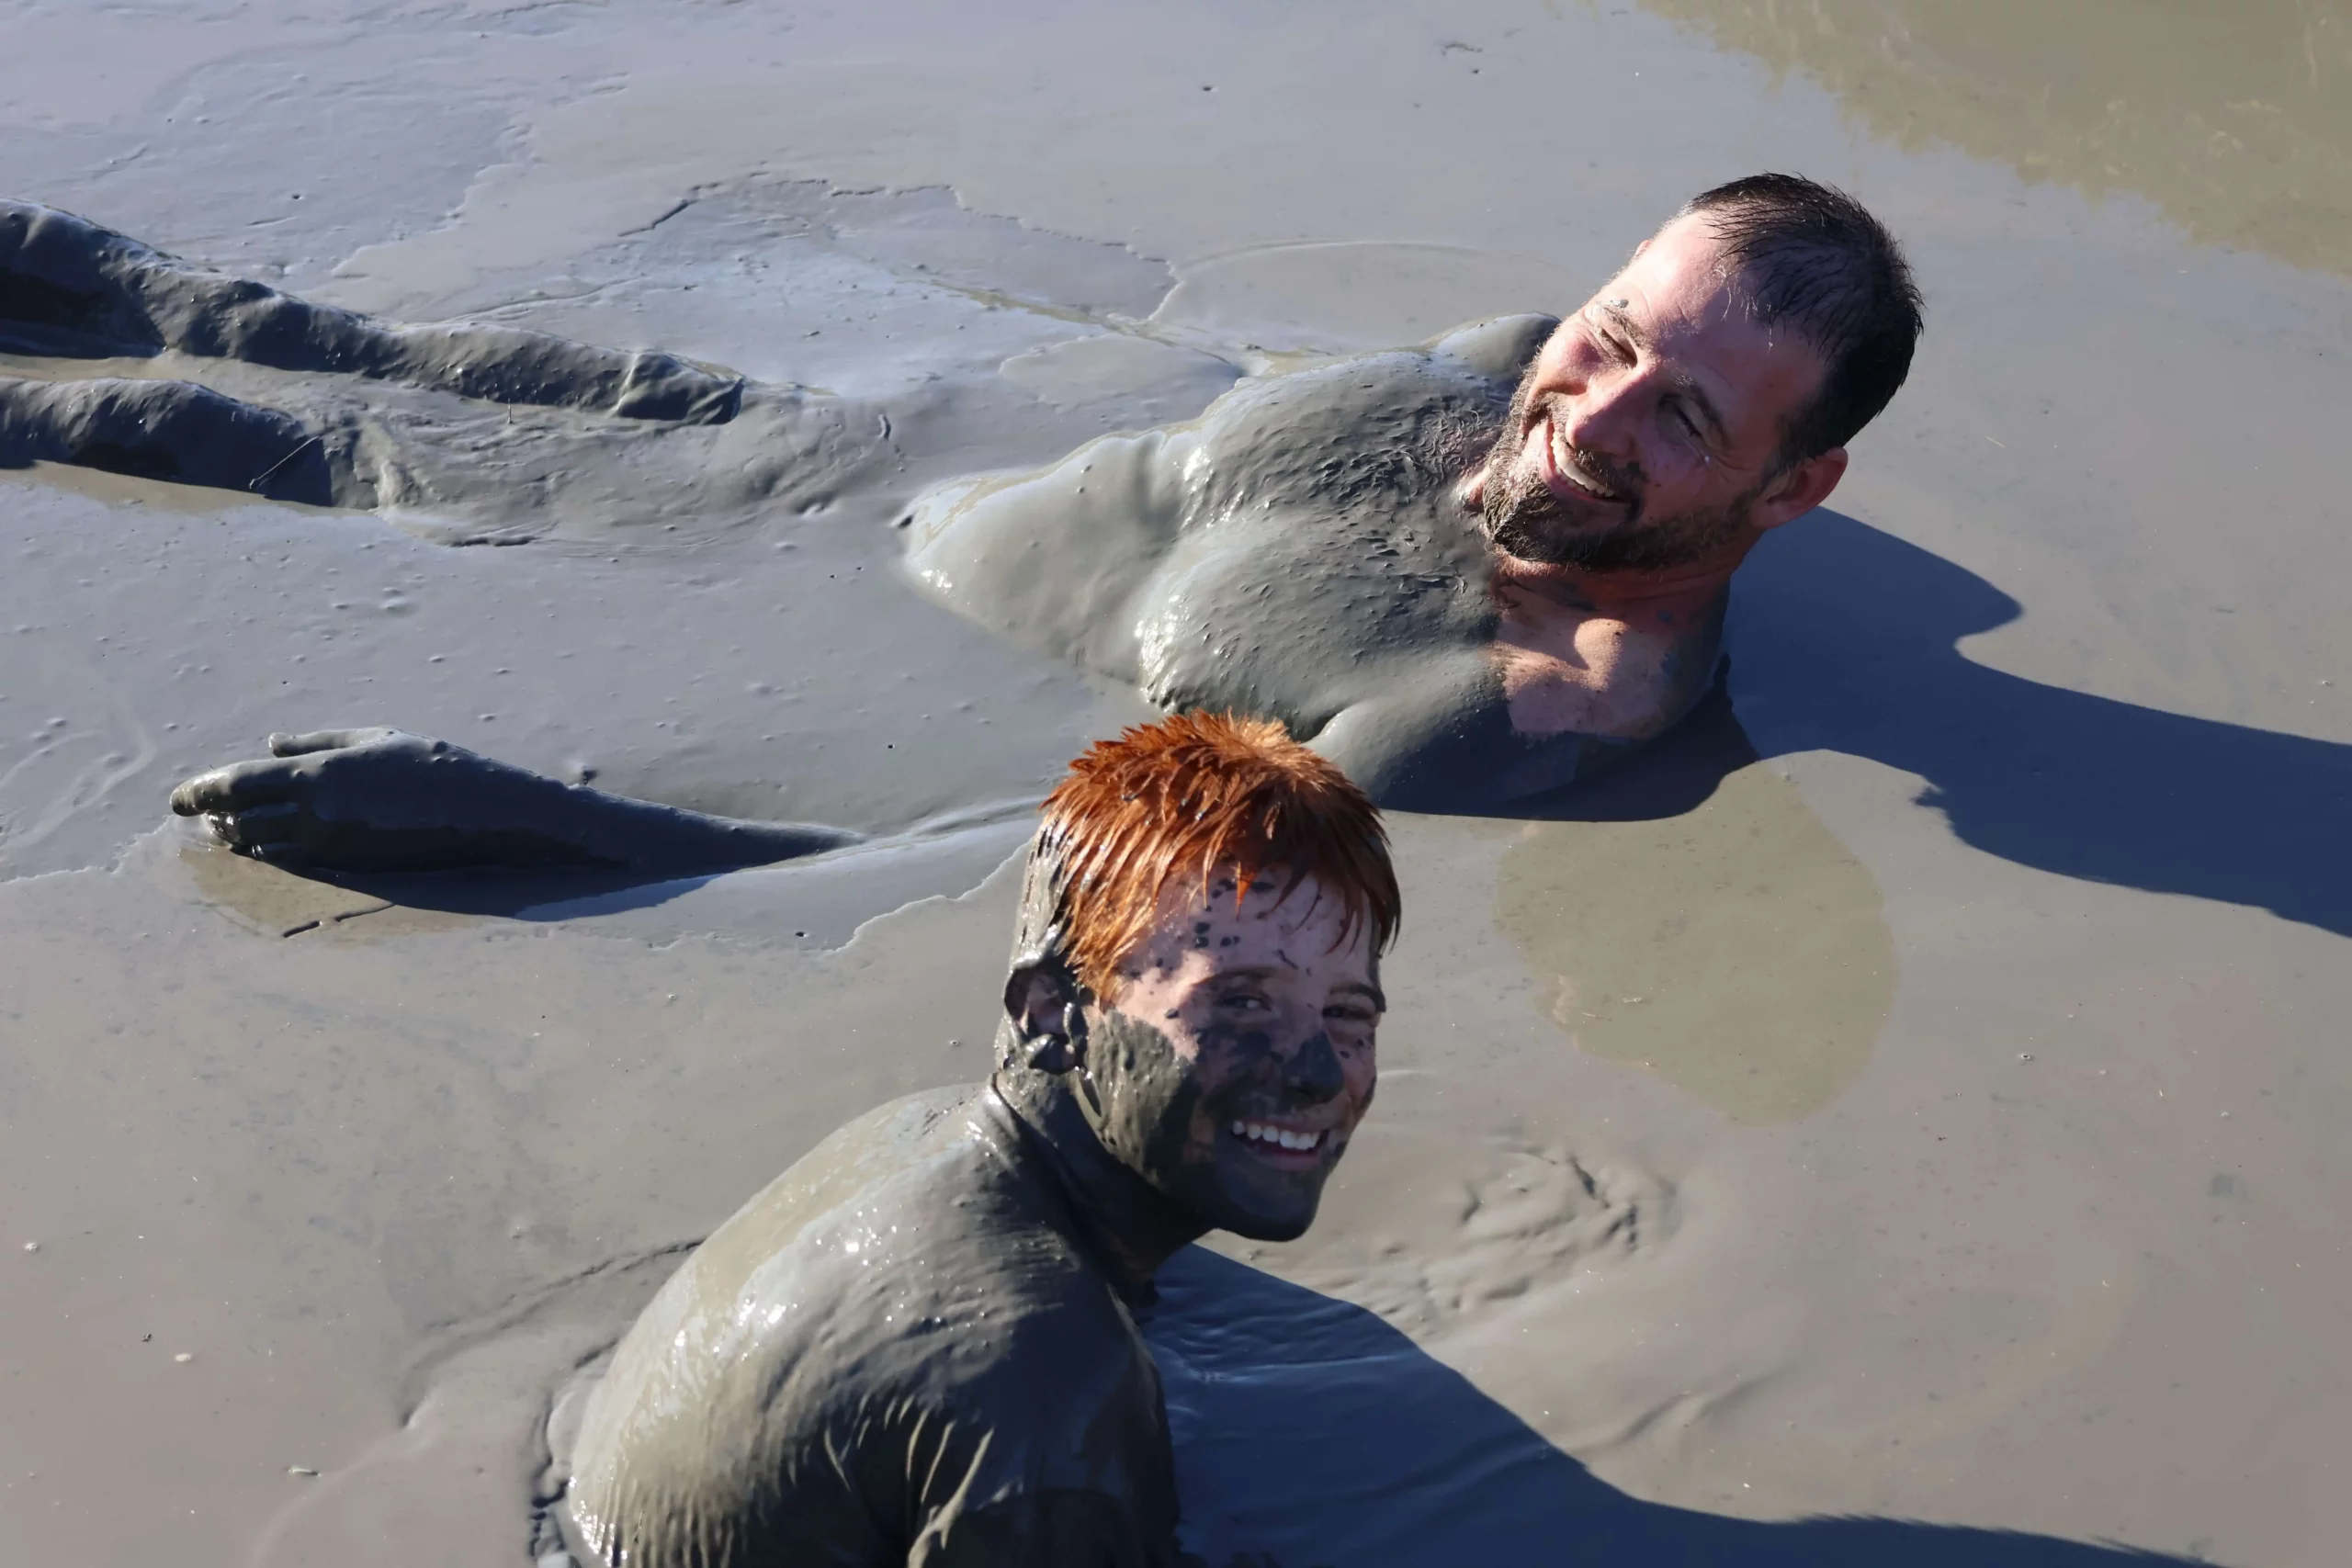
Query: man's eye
<point x="1246" y="1002"/>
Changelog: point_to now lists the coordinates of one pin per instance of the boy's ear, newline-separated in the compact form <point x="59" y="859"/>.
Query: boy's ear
<point x="1045" y="1002"/>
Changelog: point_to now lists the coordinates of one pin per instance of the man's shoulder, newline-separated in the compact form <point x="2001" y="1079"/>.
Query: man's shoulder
<point x="1499" y="346"/>
<point x="1346" y="431"/>
<point x="1477" y="361"/>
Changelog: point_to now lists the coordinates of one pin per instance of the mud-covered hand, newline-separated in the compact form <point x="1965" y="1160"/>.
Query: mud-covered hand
<point x="385" y="800"/>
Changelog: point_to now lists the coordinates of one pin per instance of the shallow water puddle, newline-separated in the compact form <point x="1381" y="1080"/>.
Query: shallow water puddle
<point x="1738" y="951"/>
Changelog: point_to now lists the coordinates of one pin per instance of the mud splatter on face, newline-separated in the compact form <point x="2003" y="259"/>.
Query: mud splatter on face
<point x="1238" y="1058"/>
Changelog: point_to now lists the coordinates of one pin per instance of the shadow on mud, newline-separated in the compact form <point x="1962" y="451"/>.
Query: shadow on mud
<point x="1844" y="639"/>
<point x="1309" y="1431"/>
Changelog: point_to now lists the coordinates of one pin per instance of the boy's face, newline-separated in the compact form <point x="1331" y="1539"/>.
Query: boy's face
<point x="1235" y="1057"/>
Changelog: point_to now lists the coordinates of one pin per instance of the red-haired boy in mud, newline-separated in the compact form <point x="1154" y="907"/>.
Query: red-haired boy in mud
<point x="917" y="1345"/>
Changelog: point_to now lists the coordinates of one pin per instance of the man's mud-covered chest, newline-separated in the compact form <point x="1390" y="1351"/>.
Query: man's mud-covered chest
<point x="1325" y="546"/>
<point x="1297" y="613"/>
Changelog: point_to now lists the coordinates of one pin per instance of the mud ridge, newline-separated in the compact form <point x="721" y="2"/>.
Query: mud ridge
<point x="71" y="288"/>
<point x="175" y="431"/>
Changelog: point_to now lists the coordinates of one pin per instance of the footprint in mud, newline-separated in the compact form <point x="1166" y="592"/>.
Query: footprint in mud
<point x="1736" y="951"/>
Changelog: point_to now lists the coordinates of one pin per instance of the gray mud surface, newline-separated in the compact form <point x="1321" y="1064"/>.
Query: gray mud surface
<point x="1916" y="1094"/>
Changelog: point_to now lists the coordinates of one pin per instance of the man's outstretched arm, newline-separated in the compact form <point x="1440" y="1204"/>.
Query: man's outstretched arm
<point x="378" y="800"/>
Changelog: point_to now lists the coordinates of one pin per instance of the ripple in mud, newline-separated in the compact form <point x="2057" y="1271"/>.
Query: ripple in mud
<point x="1736" y="951"/>
<point x="1429" y="1229"/>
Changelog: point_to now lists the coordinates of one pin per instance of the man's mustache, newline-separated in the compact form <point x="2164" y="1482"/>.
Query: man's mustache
<point x="1623" y="482"/>
<point x="1618" y="482"/>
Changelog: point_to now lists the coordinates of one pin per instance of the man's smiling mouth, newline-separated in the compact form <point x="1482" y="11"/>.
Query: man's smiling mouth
<point x="1557" y="465"/>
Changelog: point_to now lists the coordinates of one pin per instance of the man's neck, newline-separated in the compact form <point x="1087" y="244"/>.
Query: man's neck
<point x="1131" y="1223"/>
<point x="1670" y="595"/>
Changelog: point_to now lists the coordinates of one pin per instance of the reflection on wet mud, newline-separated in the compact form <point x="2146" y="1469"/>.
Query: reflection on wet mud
<point x="2234" y="119"/>
<point x="1735" y="950"/>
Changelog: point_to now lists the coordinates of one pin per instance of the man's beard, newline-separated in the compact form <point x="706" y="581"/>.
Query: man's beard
<point x="1525" y="518"/>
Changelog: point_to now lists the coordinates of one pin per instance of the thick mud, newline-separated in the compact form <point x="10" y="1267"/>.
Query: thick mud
<point x="1964" y="1184"/>
<point x="74" y="288"/>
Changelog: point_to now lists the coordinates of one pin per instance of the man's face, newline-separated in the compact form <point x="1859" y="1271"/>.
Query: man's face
<point x="1644" y="435"/>
<point x="1236" y="1058"/>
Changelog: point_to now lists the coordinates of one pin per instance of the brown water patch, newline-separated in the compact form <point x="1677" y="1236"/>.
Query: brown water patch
<point x="127" y="489"/>
<point x="2235" y="121"/>
<point x="267" y="901"/>
<point x="1737" y="951"/>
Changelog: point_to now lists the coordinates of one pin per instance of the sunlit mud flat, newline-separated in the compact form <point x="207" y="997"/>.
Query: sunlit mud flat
<point x="1915" y="1094"/>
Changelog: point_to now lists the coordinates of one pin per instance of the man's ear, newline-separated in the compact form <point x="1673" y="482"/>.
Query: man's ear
<point x="1044" y="1001"/>
<point x="1799" y="490"/>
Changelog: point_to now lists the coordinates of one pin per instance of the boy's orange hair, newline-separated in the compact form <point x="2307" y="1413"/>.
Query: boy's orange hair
<point x="1188" y="796"/>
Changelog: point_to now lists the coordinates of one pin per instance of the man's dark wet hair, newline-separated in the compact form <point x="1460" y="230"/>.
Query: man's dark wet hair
<point x="1814" y="258"/>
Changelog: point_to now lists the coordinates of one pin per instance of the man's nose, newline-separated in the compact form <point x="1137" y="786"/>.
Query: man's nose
<point x="1311" y="1073"/>
<point x="1600" y="418"/>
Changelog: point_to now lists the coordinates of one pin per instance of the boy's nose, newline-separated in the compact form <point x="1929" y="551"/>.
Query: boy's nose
<point x="1311" y="1073"/>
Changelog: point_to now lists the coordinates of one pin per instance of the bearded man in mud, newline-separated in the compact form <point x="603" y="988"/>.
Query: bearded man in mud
<point x="1468" y="573"/>
<point x="918" y="1345"/>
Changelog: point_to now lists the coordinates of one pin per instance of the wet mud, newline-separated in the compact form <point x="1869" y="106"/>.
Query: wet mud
<point x="479" y="432"/>
<point x="73" y="288"/>
<point x="2035" y="1250"/>
<point x="70" y="289"/>
<point x="166" y="430"/>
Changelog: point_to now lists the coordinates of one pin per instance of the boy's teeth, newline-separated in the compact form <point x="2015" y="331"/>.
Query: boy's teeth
<point x="1279" y="1138"/>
